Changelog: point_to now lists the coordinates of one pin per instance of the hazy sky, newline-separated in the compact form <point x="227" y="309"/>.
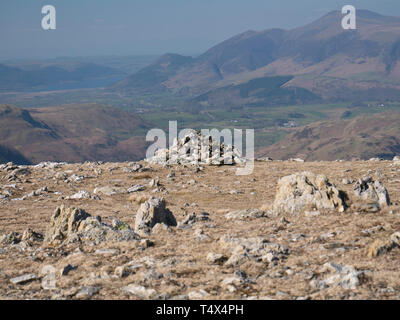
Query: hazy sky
<point x="125" y="27"/>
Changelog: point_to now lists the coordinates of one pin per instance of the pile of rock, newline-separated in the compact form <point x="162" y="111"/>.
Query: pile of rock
<point x="15" y="237"/>
<point x="255" y="249"/>
<point x="197" y="149"/>
<point x="50" y="165"/>
<point x="346" y="277"/>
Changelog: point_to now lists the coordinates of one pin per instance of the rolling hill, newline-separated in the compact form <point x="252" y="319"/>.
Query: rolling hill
<point x="72" y="133"/>
<point x="363" y="137"/>
<point x="8" y="154"/>
<point x="265" y="91"/>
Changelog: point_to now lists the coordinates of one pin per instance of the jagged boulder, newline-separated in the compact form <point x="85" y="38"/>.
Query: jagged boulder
<point x="74" y="224"/>
<point x="30" y="235"/>
<point x="381" y="246"/>
<point x="150" y="213"/>
<point x="307" y="191"/>
<point x="370" y="195"/>
<point x="64" y="223"/>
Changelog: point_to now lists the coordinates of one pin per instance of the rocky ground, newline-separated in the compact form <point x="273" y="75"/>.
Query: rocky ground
<point x="216" y="235"/>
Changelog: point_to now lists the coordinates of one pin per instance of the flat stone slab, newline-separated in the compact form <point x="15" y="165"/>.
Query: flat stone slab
<point x="24" y="279"/>
<point x="107" y="251"/>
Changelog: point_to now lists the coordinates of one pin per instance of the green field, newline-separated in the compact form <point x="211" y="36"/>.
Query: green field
<point x="268" y="122"/>
<point x="157" y="110"/>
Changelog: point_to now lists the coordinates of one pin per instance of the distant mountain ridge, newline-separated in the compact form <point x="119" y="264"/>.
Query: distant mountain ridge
<point x="321" y="56"/>
<point x="39" y="76"/>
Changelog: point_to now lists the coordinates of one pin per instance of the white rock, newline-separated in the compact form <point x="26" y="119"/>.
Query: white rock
<point x="306" y="190"/>
<point x="24" y="279"/>
<point x="371" y="192"/>
<point x="151" y="212"/>
<point x="136" y="188"/>
<point x="87" y="292"/>
<point x="107" y="251"/>
<point x="345" y="277"/>
<point x="216" y="258"/>
<point x="198" y="295"/>
<point x="246" y="214"/>
<point x="140" y="291"/>
<point x="82" y="194"/>
<point x="109" y="191"/>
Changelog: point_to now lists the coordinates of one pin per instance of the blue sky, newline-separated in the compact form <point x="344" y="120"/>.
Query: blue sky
<point x="126" y="27"/>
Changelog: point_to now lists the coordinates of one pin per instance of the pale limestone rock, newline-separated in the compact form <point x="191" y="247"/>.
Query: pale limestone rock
<point x="140" y="291"/>
<point x="24" y="279"/>
<point x="371" y="193"/>
<point x="194" y="148"/>
<point x="245" y="249"/>
<point x="74" y="225"/>
<point x="151" y="212"/>
<point x="216" y="258"/>
<point x="307" y="191"/>
<point x="109" y="191"/>
<point x="379" y="247"/>
<point x="246" y="214"/>
<point x="64" y="222"/>
<point x="346" y="277"/>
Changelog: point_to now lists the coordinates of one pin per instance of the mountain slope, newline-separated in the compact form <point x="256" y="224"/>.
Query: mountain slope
<point x="8" y="154"/>
<point x="153" y="76"/>
<point x="363" y="137"/>
<point x="321" y="57"/>
<point x="72" y="133"/>
<point x="264" y="91"/>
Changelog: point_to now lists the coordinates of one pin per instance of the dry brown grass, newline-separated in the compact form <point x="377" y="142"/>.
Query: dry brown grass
<point x="181" y="258"/>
